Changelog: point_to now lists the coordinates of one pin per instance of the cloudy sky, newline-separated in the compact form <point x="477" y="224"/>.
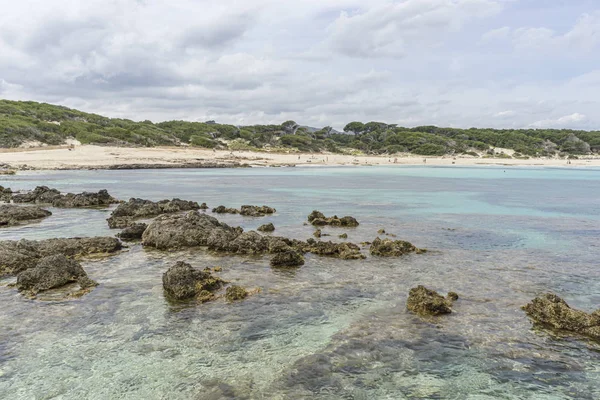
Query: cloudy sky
<point x="462" y="63"/>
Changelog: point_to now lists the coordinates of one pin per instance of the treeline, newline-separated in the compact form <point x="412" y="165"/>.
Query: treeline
<point x="22" y="122"/>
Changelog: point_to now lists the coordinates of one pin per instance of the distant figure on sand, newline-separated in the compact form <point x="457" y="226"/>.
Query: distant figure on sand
<point x="424" y="161"/>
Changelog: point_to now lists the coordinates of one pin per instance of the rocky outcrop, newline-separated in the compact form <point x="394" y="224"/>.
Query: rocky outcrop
<point x="552" y="311"/>
<point x="18" y="256"/>
<point x="246" y="210"/>
<point x="189" y="230"/>
<point x="424" y="301"/>
<point x="234" y="293"/>
<point x="266" y="228"/>
<point x="53" y="272"/>
<point x="290" y="258"/>
<point x="244" y="243"/>
<point x="182" y="282"/>
<point x="46" y="195"/>
<point x="225" y="210"/>
<point x="11" y="214"/>
<point x="344" y="251"/>
<point x="317" y="218"/>
<point x="392" y="248"/>
<point x="133" y="232"/>
<point x="126" y="213"/>
<point x="5" y="194"/>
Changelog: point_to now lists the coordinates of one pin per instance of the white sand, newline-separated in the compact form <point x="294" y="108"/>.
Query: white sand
<point x="88" y="156"/>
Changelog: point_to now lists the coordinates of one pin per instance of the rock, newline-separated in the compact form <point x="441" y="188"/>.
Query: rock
<point x="53" y="272"/>
<point x="133" y="232"/>
<point x="424" y="301"/>
<point x="317" y="218"/>
<point x="392" y="248"/>
<point x="5" y="194"/>
<point x="343" y="236"/>
<point x="291" y="258"/>
<point x="182" y="282"/>
<point x="381" y="232"/>
<point x="344" y="251"/>
<point x="452" y="296"/>
<point x="17" y="256"/>
<point x="135" y="208"/>
<point x="552" y="311"/>
<point x="317" y="233"/>
<point x="225" y="210"/>
<point x="189" y="230"/>
<point x="235" y="292"/>
<point x="45" y="195"/>
<point x="245" y="243"/>
<point x="256" y="211"/>
<point x="41" y="194"/>
<point x="203" y="206"/>
<point x="11" y="214"/>
<point x="266" y="228"/>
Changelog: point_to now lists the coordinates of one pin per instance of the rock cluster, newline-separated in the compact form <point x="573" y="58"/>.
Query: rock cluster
<point x="290" y="258"/>
<point x="246" y="210"/>
<point x="552" y="311"/>
<point x="234" y="293"/>
<point x="182" y="282"/>
<point x="11" y="214"/>
<point x="18" y="256"/>
<point x="127" y="212"/>
<point x="266" y="228"/>
<point x="392" y="248"/>
<point x="317" y="218"/>
<point x="46" y="195"/>
<point x="424" y="301"/>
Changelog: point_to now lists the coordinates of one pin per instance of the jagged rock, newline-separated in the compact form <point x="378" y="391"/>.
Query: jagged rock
<point x="11" y="214"/>
<point x="17" y="256"/>
<point x="225" y="210"/>
<point x="256" y="211"/>
<point x="203" y="206"/>
<point x="46" y="195"/>
<point x="133" y="209"/>
<point x="189" y="230"/>
<point x="245" y="243"/>
<point x="235" y="292"/>
<point x="266" y="228"/>
<point x="424" y="301"/>
<point x="5" y="194"/>
<point x="291" y="258"/>
<point x="343" y="236"/>
<point x="317" y="218"/>
<point x="552" y="311"/>
<point x="344" y="251"/>
<point x="41" y="194"/>
<point x="53" y="272"/>
<point x="392" y="248"/>
<point x="181" y="282"/>
<point x="133" y="232"/>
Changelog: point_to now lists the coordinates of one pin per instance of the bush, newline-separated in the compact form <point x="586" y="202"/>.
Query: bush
<point x="203" y="141"/>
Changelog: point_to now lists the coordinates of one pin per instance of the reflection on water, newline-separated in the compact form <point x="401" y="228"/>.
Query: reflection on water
<point x="331" y="329"/>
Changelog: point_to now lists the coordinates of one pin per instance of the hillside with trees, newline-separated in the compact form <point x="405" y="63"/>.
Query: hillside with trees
<point x="29" y="123"/>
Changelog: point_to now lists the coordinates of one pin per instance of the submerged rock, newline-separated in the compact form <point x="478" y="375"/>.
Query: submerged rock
<point x="392" y="248"/>
<point x="317" y="218"/>
<point x="552" y="311"/>
<point x="182" y="282"/>
<point x="424" y="301"/>
<point x="53" y="272"/>
<point x="266" y="228"/>
<point x="11" y="214"/>
<point x="290" y="258"/>
<point x="133" y="232"/>
<point x="46" y="195"/>
<point x="126" y="213"/>
<point x="235" y="292"/>
<point x="17" y="256"/>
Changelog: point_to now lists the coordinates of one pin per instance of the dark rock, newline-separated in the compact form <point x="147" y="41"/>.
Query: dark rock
<point x="552" y="311"/>
<point x="53" y="272"/>
<point x="291" y="258"/>
<point x="11" y="214"/>
<point x="17" y="256"/>
<point x="41" y="194"/>
<point x="317" y="233"/>
<point x="245" y="243"/>
<point x="343" y="236"/>
<point x="235" y="292"/>
<point x="256" y="211"/>
<point x="317" y="218"/>
<point x="5" y="194"/>
<point x="452" y="296"/>
<point x="181" y="282"/>
<point x="225" y="210"/>
<point x="266" y="228"/>
<point x="133" y="232"/>
<point x="424" y="301"/>
<point x="46" y="195"/>
<point x="125" y="213"/>
<point x="381" y="232"/>
<point x="344" y="251"/>
<point x="392" y="248"/>
<point x="203" y="206"/>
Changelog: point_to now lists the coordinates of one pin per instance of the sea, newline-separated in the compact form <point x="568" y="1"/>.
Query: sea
<point x="331" y="329"/>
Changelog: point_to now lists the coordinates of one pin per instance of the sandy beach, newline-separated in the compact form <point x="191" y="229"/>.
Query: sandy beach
<point x="99" y="157"/>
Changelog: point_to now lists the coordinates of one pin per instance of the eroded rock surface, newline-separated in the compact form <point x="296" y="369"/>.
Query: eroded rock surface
<point x="424" y="301"/>
<point x="246" y="210"/>
<point x="290" y="258"/>
<point x="46" y="195"/>
<point x="392" y="248"/>
<point x="5" y="194"/>
<point x="133" y="232"/>
<point x="182" y="282"/>
<point x="127" y="212"/>
<point x="234" y="293"/>
<point x="266" y="228"/>
<point x="11" y="214"/>
<point x="317" y="218"/>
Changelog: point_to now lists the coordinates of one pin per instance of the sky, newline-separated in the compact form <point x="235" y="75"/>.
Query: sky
<point x="459" y="63"/>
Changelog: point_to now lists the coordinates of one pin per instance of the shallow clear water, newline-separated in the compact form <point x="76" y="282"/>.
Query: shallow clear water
<point x="331" y="329"/>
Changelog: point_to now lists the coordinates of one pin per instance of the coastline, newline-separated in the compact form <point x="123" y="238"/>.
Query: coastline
<point x="89" y="157"/>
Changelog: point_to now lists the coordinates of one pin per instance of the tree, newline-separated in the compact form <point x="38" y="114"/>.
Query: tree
<point x="355" y="127"/>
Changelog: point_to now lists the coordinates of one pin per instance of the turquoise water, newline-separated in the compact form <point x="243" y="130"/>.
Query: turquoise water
<point x="331" y="329"/>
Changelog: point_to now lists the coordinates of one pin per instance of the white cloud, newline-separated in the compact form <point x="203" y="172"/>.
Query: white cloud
<point x="574" y="120"/>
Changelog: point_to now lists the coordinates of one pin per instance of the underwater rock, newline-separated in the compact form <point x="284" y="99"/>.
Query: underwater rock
<point x="392" y="248"/>
<point x="46" y="195"/>
<point x="290" y="258"/>
<point x="189" y="230"/>
<point x="133" y="232"/>
<point x="424" y="301"/>
<point x="125" y="213"/>
<point x="317" y="218"/>
<point x="552" y="311"/>
<point x="17" y="256"/>
<point x="235" y="292"/>
<point x="266" y="228"/>
<point x="5" y="194"/>
<point x="182" y="282"/>
<point x="11" y="214"/>
<point x="256" y="211"/>
<point x="53" y="272"/>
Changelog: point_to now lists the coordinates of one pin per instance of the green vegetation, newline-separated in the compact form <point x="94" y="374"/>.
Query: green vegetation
<point x="27" y="121"/>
